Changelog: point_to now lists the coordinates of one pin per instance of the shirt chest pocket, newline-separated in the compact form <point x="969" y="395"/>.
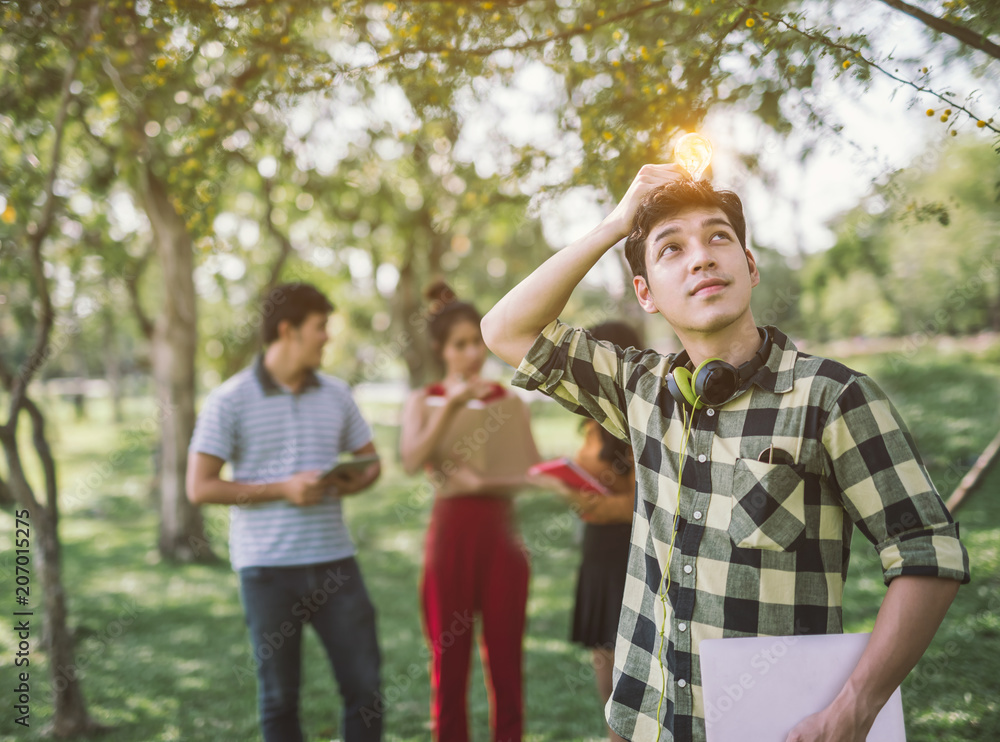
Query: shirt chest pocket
<point x="768" y="505"/>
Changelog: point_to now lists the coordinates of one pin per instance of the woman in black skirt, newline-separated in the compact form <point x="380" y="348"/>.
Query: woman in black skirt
<point x="607" y="529"/>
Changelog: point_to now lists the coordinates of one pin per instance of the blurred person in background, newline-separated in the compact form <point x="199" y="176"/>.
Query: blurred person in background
<point x="474" y="560"/>
<point x="280" y="424"/>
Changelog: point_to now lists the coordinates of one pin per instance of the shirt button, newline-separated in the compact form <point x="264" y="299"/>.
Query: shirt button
<point x="696" y="515"/>
<point x="682" y="627"/>
<point x="710" y="412"/>
<point x="702" y="458"/>
<point x="687" y="569"/>
<point x="681" y="683"/>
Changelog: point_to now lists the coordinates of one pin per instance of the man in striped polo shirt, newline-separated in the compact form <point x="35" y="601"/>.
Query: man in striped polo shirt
<point x="780" y="463"/>
<point x="280" y="424"/>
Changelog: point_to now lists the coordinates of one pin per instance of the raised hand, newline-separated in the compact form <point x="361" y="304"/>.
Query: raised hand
<point x="648" y="178"/>
<point x="460" y="392"/>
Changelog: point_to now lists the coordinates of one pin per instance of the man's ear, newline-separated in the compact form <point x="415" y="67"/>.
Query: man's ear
<point x="752" y="264"/>
<point x="285" y="329"/>
<point x="644" y="295"/>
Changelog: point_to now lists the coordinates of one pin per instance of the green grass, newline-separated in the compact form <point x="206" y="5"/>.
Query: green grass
<point x="165" y="647"/>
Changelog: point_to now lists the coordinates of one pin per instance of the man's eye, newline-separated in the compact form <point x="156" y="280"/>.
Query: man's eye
<point x="723" y="235"/>
<point x="668" y="248"/>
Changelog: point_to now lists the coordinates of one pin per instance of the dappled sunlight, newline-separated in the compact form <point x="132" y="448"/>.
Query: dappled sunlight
<point x="186" y="645"/>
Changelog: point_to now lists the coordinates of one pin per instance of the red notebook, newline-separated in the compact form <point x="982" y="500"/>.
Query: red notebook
<point x="571" y="473"/>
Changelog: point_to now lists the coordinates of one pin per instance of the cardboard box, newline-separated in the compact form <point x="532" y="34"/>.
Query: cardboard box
<point x="489" y="437"/>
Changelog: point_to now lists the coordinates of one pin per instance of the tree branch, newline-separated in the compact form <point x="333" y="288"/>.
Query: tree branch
<point x="36" y="358"/>
<point x="6" y="496"/>
<point x="856" y="54"/>
<point x="132" y="286"/>
<point x="965" y="35"/>
<point x="485" y="51"/>
<point x="285" y="245"/>
<point x="8" y="434"/>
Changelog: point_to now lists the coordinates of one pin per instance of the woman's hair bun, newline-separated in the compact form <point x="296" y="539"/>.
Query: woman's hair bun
<point x="439" y="293"/>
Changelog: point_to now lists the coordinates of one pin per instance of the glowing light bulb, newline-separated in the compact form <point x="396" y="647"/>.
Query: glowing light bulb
<point x="693" y="152"/>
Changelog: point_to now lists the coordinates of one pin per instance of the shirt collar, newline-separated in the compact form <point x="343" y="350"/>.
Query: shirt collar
<point x="272" y="387"/>
<point x="778" y="373"/>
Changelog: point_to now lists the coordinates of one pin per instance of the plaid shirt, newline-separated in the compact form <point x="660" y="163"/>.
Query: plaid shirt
<point x="762" y="548"/>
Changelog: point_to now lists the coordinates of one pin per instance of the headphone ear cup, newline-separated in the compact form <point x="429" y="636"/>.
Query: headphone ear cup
<point x="714" y="370"/>
<point x="680" y="380"/>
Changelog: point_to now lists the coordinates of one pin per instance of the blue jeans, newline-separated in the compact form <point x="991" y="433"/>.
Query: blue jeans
<point x="278" y="602"/>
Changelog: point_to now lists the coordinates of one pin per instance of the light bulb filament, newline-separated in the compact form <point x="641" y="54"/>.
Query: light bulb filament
<point x="693" y="152"/>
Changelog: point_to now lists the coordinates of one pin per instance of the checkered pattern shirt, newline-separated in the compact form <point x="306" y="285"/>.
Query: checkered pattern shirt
<point x="762" y="548"/>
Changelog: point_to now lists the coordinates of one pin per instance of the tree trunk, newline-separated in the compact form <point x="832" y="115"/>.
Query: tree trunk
<point x="175" y="339"/>
<point x="69" y="718"/>
<point x="6" y="496"/>
<point x="407" y="310"/>
<point x="113" y="364"/>
<point x="70" y="715"/>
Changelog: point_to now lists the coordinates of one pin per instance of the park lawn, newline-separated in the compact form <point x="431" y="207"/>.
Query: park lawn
<point x="164" y="652"/>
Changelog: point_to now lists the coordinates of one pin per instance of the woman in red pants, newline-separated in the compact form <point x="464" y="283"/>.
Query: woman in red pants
<point x="474" y="560"/>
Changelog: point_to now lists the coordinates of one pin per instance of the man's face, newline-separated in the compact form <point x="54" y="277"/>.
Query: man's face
<point x="699" y="275"/>
<point x="306" y="342"/>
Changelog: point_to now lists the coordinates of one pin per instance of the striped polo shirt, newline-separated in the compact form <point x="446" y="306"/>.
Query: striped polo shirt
<point x="268" y="434"/>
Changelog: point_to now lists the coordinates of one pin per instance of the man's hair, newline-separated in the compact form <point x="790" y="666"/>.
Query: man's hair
<point x="670" y="200"/>
<point x="292" y="302"/>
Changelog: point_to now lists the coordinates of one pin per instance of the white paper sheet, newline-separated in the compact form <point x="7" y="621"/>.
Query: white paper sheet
<point x="757" y="689"/>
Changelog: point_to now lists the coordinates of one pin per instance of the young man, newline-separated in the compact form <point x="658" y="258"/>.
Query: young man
<point x="779" y="466"/>
<point x="281" y="424"/>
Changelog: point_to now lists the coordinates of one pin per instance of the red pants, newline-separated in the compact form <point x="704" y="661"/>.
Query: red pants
<point x="474" y="562"/>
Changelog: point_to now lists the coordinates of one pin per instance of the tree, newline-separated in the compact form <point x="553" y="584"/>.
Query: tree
<point x="170" y="91"/>
<point x="632" y="77"/>
<point x="28" y="236"/>
<point x="920" y="254"/>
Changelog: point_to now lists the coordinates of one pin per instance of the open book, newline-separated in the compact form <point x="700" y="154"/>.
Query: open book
<point x="571" y="473"/>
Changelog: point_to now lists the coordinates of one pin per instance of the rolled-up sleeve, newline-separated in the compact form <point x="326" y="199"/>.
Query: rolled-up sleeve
<point x="584" y="375"/>
<point x="886" y="489"/>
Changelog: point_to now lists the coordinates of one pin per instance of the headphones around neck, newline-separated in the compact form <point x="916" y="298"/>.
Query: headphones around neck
<point x="714" y="381"/>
